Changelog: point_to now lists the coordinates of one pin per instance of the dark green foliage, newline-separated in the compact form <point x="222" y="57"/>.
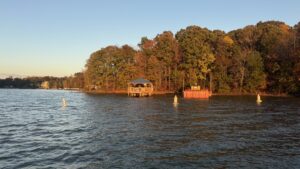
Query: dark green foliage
<point x="255" y="78"/>
<point x="76" y="81"/>
<point x="18" y="83"/>
<point x="110" y="68"/>
<point x="197" y="55"/>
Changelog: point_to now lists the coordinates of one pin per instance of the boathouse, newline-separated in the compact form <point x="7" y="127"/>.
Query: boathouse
<point x="140" y="87"/>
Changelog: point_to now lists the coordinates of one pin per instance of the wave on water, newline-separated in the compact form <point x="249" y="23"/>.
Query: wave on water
<point x="115" y="131"/>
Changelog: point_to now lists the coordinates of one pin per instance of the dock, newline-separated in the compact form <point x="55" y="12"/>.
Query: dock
<point x="196" y="93"/>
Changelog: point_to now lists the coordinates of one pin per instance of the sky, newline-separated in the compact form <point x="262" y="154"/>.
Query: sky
<point x="56" y="37"/>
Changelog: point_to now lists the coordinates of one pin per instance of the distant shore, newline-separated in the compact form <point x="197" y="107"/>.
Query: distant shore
<point x="162" y="92"/>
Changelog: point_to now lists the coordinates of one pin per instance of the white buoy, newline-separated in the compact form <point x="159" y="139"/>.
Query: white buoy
<point x="175" y="100"/>
<point x="258" y="100"/>
<point x="64" y="102"/>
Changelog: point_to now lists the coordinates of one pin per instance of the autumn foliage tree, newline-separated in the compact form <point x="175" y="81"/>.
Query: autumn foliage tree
<point x="257" y="58"/>
<point x="197" y="56"/>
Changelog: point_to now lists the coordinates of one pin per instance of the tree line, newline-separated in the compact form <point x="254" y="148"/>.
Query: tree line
<point x="257" y="58"/>
<point x="71" y="82"/>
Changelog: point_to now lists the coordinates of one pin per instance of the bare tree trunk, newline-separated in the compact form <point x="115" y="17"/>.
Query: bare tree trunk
<point x="242" y="78"/>
<point x="175" y="79"/>
<point x="115" y="82"/>
<point x="169" y="78"/>
<point x="106" y="81"/>
<point x="183" y="81"/>
<point x="160" y="80"/>
<point x="165" y="79"/>
<point x="210" y="81"/>
<point x="242" y="70"/>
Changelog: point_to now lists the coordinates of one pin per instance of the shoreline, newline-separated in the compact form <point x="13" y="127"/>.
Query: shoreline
<point x="252" y="94"/>
<point x="172" y="92"/>
<point x="124" y="92"/>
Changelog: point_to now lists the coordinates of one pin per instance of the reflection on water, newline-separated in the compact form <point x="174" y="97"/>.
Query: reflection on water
<point x="116" y="131"/>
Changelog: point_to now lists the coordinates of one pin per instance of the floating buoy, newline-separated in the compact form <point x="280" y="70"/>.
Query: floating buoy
<point x="175" y="100"/>
<point x="258" y="100"/>
<point x="64" y="102"/>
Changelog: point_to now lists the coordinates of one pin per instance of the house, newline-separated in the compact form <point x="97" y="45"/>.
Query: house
<point x="140" y="87"/>
<point x="45" y="85"/>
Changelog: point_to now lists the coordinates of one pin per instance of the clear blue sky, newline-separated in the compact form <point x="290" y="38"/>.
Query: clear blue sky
<point x="56" y="37"/>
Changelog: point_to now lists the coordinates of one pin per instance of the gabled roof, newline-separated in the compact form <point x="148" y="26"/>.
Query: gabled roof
<point x="140" y="81"/>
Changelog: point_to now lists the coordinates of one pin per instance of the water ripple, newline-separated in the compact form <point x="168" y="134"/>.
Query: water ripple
<point x="116" y="131"/>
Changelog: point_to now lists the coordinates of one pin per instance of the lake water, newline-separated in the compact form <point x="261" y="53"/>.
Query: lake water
<point x="116" y="131"/>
